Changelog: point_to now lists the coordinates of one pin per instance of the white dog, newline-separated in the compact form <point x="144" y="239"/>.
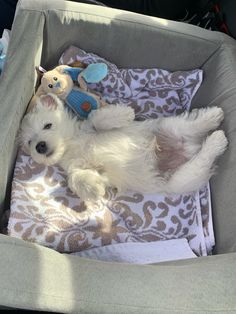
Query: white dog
<point x="165" y="155"/>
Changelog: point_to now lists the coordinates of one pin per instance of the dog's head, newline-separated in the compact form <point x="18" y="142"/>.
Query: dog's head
<point x="45" y="130"/>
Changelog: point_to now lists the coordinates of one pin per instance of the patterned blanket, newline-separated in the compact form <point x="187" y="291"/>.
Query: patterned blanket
<point x="44" y="210"/>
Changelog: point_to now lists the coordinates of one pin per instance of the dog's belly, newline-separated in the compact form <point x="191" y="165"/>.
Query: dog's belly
<point x="131" y="158"/>
<point x="171" y="153"/>
<point x="128" y="159"/>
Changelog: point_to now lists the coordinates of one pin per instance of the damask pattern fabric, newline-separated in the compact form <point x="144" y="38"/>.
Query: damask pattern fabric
<point x="45" y="211"/>
<point x="151" y="92"/>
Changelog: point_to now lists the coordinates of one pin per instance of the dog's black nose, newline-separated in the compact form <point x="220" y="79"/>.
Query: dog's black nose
<point x="41" y="147"/>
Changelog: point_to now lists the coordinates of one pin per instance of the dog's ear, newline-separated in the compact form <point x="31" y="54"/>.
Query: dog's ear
<point x="40" y="70"/>
<point x="51" y="101"/>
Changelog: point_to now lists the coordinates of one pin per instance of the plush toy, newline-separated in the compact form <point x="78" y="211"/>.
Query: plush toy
<point x="70" y="85"/>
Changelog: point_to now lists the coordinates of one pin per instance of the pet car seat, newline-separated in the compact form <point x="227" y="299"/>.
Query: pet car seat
<point x="38" y="278"/>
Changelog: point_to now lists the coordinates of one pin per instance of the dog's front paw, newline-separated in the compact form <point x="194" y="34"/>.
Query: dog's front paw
<point x="93" y="191"/>
<point x="112" y="117"/>
<point x="130" y="114"/>
<point x="86" y="184"/>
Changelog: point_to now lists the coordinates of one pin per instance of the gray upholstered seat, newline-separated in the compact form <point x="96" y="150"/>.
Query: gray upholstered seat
<point x="35" y="277"/>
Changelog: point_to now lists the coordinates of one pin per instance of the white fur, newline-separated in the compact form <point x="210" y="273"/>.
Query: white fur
<point x="111" y="149"/>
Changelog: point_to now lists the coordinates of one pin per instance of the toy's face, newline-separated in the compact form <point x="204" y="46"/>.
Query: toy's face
<point x="57" y="83"/>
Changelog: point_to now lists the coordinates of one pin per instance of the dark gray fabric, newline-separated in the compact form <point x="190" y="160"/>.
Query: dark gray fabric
<point x="151" y="43"/>
<point x="219" y="89"/>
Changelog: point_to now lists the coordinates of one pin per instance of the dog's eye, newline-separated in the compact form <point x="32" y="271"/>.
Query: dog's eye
<point x="29" y="142"/>
<point x="50" y="86"/>
<point x="55" y="78"/>
<point x="47" y="126"/>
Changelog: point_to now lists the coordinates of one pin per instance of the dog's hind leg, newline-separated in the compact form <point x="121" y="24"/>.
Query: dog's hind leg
<point x="194" y="124"/>
<point x="196" y="172"/>
<point x="189" y="128"/>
